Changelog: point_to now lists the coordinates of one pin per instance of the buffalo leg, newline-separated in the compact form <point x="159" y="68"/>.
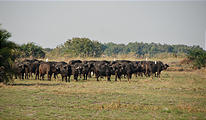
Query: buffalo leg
<point x="22" y="76"/>
<point x="69" y="78"/>
<point x="89" y="74"/>
<point x="66" y="78"/>
<point x="97" y="78"/>
<point x="108" y="78"/>
<point x="62" y="78"/>
<point x="129" y="77"/>
<point x="86" y="75"/>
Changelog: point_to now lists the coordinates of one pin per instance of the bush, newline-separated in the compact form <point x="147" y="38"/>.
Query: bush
<point x="198" y="57"/>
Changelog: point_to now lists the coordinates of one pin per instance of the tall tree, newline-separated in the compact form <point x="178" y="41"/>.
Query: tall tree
<point x="7" y="55"/>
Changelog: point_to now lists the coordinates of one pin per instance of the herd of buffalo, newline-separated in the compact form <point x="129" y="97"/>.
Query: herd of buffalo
<point x="119" y="68"/>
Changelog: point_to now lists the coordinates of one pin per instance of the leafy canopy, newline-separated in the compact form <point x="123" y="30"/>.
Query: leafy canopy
<point x="31" y="49"/>
<point x="7" y="55"/>
<point x="198" y="57"/>
<point x="83" y="47"/>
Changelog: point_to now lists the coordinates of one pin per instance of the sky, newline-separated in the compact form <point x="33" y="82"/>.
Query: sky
<point x="51" y="23"/>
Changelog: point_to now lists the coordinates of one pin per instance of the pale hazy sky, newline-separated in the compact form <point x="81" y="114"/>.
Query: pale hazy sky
<point x="51" y="23"/>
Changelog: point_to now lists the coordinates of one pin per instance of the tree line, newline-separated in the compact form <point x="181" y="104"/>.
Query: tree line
<point x="84" y="47"/>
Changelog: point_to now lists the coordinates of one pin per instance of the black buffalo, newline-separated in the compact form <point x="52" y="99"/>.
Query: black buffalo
<point x="103" y="69"/>
<point x="66" y="72"/>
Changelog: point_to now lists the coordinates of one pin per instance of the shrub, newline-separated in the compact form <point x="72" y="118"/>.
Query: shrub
<point x="198" y="57"/>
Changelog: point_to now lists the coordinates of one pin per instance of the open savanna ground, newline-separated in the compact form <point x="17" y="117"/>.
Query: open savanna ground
<point x="176" y="95"/>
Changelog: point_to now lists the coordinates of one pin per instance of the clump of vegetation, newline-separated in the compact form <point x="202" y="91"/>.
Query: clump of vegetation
<point x="198" y="57"/>
<point x="7" y="55"/>
<point x="31" y="49"/>
<point x="82" y="47"/>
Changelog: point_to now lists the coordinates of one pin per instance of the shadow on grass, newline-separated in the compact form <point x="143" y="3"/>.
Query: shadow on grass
<point x="37" y="84"/>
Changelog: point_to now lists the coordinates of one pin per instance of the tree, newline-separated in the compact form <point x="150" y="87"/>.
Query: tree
<point x="31" y="49"/>
<point x="7" y="55"/>
<point x="48" y="49"/>
<point x="115" y="49"/>
<point x="83" y="47"/>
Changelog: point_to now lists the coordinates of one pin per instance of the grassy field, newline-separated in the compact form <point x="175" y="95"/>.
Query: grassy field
<point x="176" y="95"/>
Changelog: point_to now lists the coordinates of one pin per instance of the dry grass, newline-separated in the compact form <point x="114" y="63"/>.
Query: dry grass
<point x="176" y="95"/>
